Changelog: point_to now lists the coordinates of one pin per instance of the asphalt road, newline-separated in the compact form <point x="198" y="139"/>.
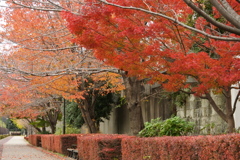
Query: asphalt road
<point x="16" y="147"/>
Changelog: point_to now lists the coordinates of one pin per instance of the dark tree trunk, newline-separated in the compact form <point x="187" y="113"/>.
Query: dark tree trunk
<point x="133" y="97"/>
<point x="52" y="117"/>
<point x="230" y="112"/>
<point x="231" y="124"/>
<point x="88" y="115"/>
<point x="86" y="106"/>
<point x="227" y="116"/>
<point x="136" y="119"/>
<point x="44" y="129"/>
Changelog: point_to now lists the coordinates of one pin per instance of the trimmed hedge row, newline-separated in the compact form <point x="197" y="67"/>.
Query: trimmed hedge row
<point x="62" y="142"/>
<point x="107" y="147"/>
<point x="55" y="143"/>
<point x="123" y="147"/>
<point x="34" y="139"/>
<point x="219" y="147"/>
<point x="48" y="142"/>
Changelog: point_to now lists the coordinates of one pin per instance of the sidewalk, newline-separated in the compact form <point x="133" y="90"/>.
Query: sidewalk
<point x="16" y="147"/>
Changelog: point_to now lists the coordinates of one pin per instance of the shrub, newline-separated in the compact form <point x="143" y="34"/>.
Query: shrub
<point x="151" y="129"/>
<point x="3" y="136"/>
<point x="174" y="126"/>
<point x="69" y="130"/>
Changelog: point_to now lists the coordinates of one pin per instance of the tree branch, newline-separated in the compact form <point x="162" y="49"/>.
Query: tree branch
<point x="68" y="71"/>
<point x="211" y="20"/>
<point x="235" y="102"/>
<point x="41" y="9"/>
<point x="215" y="107"/>
<point x="227" y="12"/>
<point x="177" y="22"/>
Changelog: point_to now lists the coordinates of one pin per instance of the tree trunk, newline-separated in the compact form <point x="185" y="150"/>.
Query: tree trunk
<point x="87" y="116"/>
<point x="44" y="129"/>
<point x="231" y="124"/>
<point x="87" y="106"/>
<point x="133" y="97"/>
<point x="227" y="116"/>
<point x="52" y="117"/>
<point x="135" y="117"/>
<point x="229" y="112"/>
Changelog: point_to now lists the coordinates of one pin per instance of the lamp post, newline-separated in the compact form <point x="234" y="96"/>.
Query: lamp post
<point x="64" y="116"/>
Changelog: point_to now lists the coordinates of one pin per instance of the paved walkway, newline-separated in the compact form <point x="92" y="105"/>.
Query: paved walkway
<point x="16" y="147"/>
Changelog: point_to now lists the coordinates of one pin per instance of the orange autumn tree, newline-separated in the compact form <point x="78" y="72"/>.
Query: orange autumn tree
<point x="85" y="90"/>
<point x="133" y="85"/>
<point x="39" y="100"/>
<point x="20" y="99"/>
<point x="162" y="42"/>
<point x="44" y="57"/>
<point x="33" y="49"/>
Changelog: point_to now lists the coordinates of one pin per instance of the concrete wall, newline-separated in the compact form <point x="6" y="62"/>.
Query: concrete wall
<point x="199" y="111"/>
<point x="237" y="112"/>
<point x="152" y="107"/>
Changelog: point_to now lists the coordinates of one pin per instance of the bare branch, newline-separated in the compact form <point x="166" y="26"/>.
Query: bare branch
<point x="35" y="8"/>
<point x="68" y="71"/>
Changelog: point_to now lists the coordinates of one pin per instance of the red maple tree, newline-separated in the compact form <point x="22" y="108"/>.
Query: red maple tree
<point x="148" y="46"/>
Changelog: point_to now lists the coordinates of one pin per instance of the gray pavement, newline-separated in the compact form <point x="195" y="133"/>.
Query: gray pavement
<point x="16" y="147"/>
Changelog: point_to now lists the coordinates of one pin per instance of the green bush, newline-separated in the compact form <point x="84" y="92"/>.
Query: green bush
<point x="69" y="130"/>
<point x="3" y="136"/>
<point x="174" y="126"/>
<point x="151" y="129"/>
